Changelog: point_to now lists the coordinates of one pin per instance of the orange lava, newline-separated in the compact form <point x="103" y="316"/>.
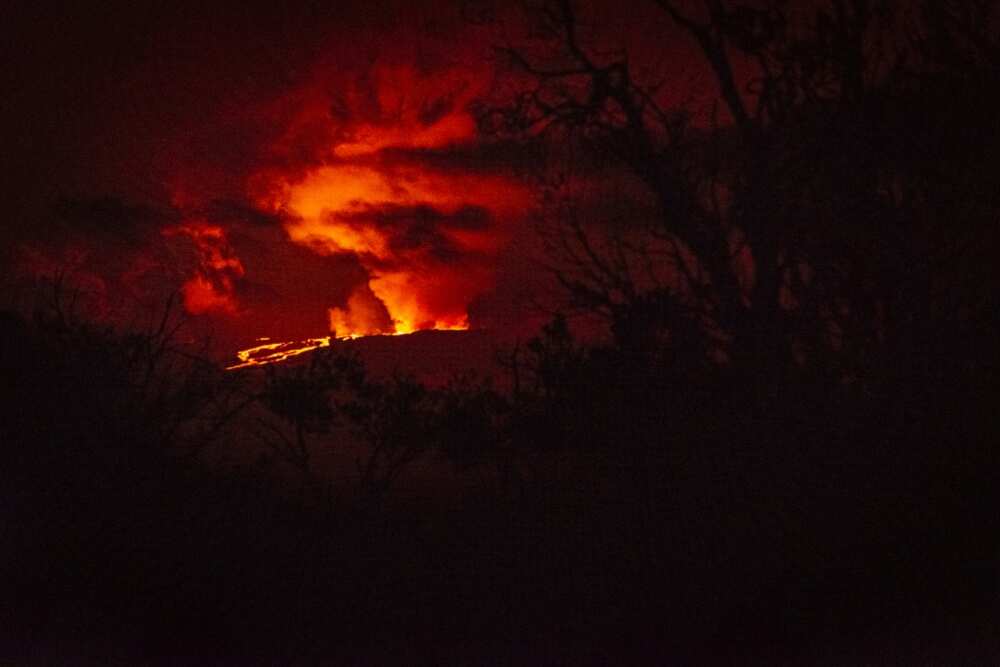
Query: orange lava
<point x="272" y="353"/>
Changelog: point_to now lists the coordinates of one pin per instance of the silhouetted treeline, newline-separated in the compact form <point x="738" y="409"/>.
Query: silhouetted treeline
<point x="614" y="505"/>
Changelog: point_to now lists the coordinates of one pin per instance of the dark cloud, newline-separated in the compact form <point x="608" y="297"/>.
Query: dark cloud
<point x="482" y="157"/>
<point x="113" y="97"/>
<point x="420" y="230"/>
<point x="434" y="109"/>
<point x="233" y="212"/>
<point x="396" y="216"/>
<point x="106" y="220"/>
<point x="287" y="287"/>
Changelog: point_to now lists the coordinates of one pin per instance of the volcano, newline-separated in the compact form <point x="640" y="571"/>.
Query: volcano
<point x="432" y="356"/>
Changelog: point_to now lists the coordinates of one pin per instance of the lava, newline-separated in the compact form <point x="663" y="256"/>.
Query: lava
<point x="270" y="353"/>
<point x="371" y="206"/>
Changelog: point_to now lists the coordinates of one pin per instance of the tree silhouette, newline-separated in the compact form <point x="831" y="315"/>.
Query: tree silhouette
<point x="799" y="229"/>
<point x="301" y="397"/>
<point x="793" y="283"/>
<point x="395" y="419"/>
<point x="103" y="432"/>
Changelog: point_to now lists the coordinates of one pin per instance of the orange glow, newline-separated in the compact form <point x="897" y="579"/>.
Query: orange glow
<point x="270" y="353"/>
<point x="411" y="225"/>
<point x="321" y="209"/>
<point x="212" y="288"/>
<point x="370" y="206"/>
<point x="361" y="316"/>
<point x="202" y="296"/>
<point x="405" y="295"/>
<point x="407" y="109"/>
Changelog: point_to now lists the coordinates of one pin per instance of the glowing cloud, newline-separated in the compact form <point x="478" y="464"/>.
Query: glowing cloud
<point x="212" y="287"/>
<point x="427" y="235"/>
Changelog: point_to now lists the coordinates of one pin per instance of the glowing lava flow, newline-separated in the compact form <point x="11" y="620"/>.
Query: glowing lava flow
<point x="395" y="181"/>
<point x="272" y="353"/>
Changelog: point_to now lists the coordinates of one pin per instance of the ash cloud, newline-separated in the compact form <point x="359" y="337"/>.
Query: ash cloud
<point x="488" y="157"/>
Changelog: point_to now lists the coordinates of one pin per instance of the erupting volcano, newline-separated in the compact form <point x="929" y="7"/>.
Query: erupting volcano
<point x="386" y="173"/>
<point x="337" y="189"/>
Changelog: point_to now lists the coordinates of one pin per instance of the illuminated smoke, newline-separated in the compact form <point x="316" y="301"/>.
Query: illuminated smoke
<point x="212" y="288"/>
<point x="379" y="190"/>
<point x="363" y="315"/>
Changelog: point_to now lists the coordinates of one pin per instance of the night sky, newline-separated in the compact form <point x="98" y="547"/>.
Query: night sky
<point x="290" y="171"/>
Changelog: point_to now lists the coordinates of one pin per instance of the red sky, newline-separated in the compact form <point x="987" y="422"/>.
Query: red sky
<point x="291" y="169"/>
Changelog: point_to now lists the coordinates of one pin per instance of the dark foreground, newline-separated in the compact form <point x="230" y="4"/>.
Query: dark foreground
<point x="825" y="530"/>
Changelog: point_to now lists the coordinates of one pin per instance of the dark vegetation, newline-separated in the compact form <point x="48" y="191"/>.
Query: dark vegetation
<point x="782" y="452"/>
